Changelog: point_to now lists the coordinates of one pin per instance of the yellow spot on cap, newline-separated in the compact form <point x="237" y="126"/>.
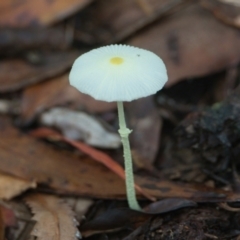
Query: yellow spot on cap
<point x="116" y="60"/>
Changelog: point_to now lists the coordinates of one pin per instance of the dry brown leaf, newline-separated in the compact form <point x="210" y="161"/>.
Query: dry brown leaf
<point x="57" y="91"/>
<point x="94" y="153"/>
<point x="54" y="218"/>
<point x="61" y="170"/>
<point x="66" y="172"/>
<point x="33" y="12"/>
<point x="117" y="218"/>
<point x="12" y="186"/>
<point x="107" y="21"/>
<point x="24" y="39"/>
<point x="17" y="73"/>
<point x="191" y="43"/>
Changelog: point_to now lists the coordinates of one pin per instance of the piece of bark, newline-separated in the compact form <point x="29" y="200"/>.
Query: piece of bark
<point x="107" y="21"/>
<point x="226" y="12"/>
<point x="16" y="74"/>
<point x="33" y="12"/>
<point x="191" y="43"/>
<point x="56" y="92"/>
<point x="145" y="122"/>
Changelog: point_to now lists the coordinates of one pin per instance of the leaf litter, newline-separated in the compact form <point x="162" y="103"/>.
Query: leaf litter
<point x="73" y="126"/>
<point x="196" y="187"/>
<point x="60" y="93"/>
<point x="115" y="219"/>
<point x="54" y="219"/>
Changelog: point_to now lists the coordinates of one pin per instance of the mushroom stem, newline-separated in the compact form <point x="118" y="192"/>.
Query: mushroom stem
<point x="124" y="132"/>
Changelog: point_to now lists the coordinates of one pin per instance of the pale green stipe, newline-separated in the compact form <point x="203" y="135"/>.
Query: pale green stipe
<point x="124" y="132"/>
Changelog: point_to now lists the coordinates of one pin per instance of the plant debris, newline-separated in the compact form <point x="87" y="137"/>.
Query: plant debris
<point x="61" y="165"/>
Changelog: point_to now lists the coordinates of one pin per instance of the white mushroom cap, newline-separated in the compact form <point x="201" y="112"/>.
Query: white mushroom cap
<point x="118" y="73"/>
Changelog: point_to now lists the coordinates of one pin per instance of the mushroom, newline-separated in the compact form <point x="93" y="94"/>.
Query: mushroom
<point x="120" y="73"/>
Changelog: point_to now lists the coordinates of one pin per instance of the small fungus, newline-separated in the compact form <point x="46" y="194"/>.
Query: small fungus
<point x="113" y="73"/>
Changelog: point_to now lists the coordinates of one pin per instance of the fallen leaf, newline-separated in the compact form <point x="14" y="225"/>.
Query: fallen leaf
<point x="15" y="41"/>
<point x="191" y="51"/>
<point x="59" y="92"/>
<point x="33" y="12"/>
<point x="54" y="218"/>
<point x="95" y="154"/>
<point x="118" y="218"/>
<point x="73" y="126"/>
<point x="148" y="187"/>
<point x="12" y="186"/>
<point x="66" y="172"/>
<point x="60" y="170"/>
<point x="113" y="21"/>
<point x="197" y="192"/>
<point x="168" y="205"/>
<point x="113" y="220"/>
<point x="16" y="74"/>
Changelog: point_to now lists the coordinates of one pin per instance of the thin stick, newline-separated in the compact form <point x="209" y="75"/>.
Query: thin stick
<point x="124" y="132"/>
